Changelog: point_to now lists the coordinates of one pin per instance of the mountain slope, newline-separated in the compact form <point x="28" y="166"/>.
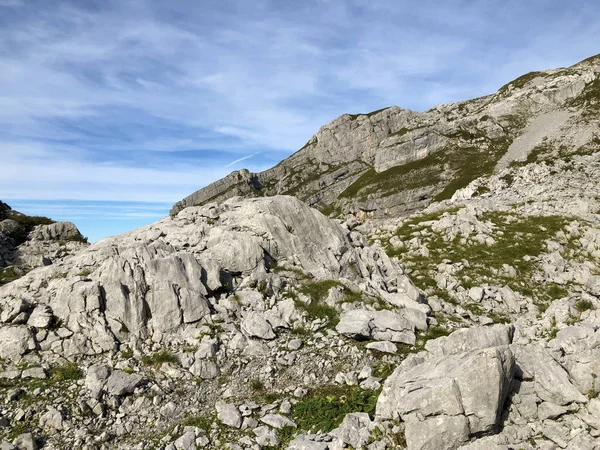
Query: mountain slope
<point x="394" y="161"/>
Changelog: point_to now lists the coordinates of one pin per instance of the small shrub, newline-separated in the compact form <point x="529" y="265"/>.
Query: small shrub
<point x="83" y="273"/>
<point x="17" y="430"/>
<point x="157" y="359"/>
<point x="584" y="305"/>
<point x="301" y="331"/>
<point x="270" y="397"/>
<point x="285" y="435"/>
<point x="10" y="274"/>
<point x="202" y="422"/>
<point x="127" y="353"/>
<point x="325" y="408"/>
<point x="256" y="384"/>
<point x="55" y="323"/>
<point x="383" y="369"/>
<point x="65" y="372"/>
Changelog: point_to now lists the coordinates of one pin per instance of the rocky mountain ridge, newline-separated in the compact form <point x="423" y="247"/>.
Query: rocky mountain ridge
<point x="394" y="161"/>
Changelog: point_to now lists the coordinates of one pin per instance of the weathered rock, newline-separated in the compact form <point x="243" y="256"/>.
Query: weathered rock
<point x="277" y="421"/>
<point x="121" y="383"/>
<point x="466" y="388"/>
<point x="41" y="317"/>
<point x="26" y="441"/>
<point x="471" y="339"/>
<point x="381" y="325"/>
<point x="255" y="325"/>
<point x="15" y="341"/>
<point x="58" y="231"/>
<point x="155" y="282"/>
<point x="441" y="432"/>
<point x="552" y="382"/>
<point x="355" y="430"/>
<point x="229" y="415"/>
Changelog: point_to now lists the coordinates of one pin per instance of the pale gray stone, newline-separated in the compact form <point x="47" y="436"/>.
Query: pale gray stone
<point x="277" y="421"/>
<point x="120" y="383"/>
<point x="255" y="325"/>
<point x="473" y="384"/>
<point x="15" y="341"/>
<point x="228" y="414"/>
<point x="383" y="346"/>
<point x="552" y="382"/>
<point x="471" y="339"/>
<point x="439" y="432"/>
<point x="40" y="317"/>
<point x="355" y="430"/>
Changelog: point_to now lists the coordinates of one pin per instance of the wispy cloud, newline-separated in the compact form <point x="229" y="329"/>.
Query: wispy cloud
<point x="147" y="100"/>
<point x="233" y="163"/>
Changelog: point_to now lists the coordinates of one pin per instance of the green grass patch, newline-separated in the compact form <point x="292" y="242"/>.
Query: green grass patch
<point x="10" y="274"/>
<point x="66" y="372"/>
<point x="401" y="132"/>
<point x="324" y="409"/>
<point x="372" y="113"/>
<point x="584" y="305"/>
<point x="203" y="422"/>
<point x="516" y="238"/>
<point x="157" y="359"/>
<point x="256" y="384"/>
<point x="318" y="292"/>
<point x="520" y="82"/>
<point x="383" y="369"/>
<point x="441" y="173"/>
<point x="127" y="353"/>
<point x="589" y="97"/>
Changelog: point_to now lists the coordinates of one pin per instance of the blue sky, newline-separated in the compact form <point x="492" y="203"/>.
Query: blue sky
<point x="110" y="111"/>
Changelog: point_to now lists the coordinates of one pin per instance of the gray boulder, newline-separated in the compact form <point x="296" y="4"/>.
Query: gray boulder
<point x="121" y="383"/>
<point x="15" y="341"/>
<point x="382" y="325"/>
<point x="59" y="231"/>
<point x="551" y="381"/>
<point x="450" y="394"/>
<point x="470" y="339"/>
<point x="229" y="414"/>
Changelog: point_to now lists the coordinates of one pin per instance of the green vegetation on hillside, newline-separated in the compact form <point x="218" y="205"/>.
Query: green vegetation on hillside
<point x="9" y="274"/>
<point x="518" y="241"/>
<point x="325" y="408"/>
<point x="355" y="116"/>
<point x="442" y="173"/>
<point x="589" y="97"/>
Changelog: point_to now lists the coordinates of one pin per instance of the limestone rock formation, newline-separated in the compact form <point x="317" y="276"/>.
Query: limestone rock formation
<point x="27" y="242"/>
<point x="162" y="281"/>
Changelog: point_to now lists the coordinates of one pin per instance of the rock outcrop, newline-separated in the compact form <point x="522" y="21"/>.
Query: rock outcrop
<point x="163" y="282"/>
<point x="27" y="242"/>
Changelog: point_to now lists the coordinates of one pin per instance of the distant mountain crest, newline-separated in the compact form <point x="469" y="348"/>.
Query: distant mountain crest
<point x="393" y="161"/>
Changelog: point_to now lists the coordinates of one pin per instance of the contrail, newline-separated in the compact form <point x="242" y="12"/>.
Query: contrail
<point x="240" y="160"/>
